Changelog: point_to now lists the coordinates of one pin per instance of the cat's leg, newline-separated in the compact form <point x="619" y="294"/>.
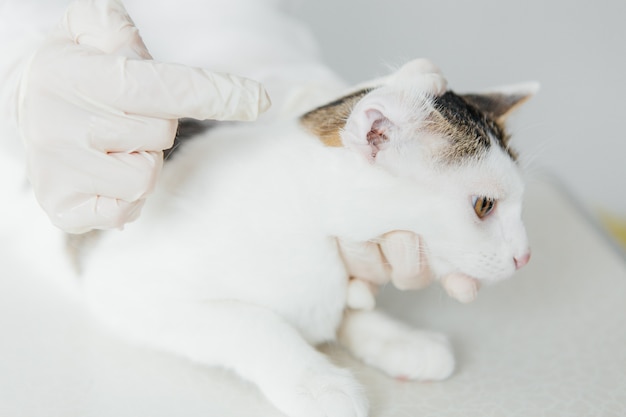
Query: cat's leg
<point x="395" y="348"/>
<point x="257" y="344"/>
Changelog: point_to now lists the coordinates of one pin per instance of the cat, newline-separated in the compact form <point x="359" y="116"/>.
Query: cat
<point x="234" y="261"/>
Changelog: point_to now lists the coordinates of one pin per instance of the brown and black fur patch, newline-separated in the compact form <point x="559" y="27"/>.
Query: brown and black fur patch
<point x="469" y="130"/>
<point x="187" y="129"/>
<point x="497" y="105"/>
<point x="327" y="121"/>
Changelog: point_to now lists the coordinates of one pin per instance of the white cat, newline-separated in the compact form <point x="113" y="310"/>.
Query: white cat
<point x="235" y="263"/>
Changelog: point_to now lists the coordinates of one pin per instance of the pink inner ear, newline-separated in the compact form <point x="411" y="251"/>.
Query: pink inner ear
<point x="377" y="136"/>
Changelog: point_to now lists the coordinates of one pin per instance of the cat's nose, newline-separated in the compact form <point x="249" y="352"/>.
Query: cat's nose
<point x="521" y="260"/>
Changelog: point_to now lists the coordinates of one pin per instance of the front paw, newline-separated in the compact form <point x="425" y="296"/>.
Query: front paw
<point x="321" y="393"/>
<point x="417" y="355"/>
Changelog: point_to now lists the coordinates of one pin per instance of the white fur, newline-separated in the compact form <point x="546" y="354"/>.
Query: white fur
<point x="234" y="260"/>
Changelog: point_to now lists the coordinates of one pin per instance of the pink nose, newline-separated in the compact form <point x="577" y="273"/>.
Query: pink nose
<point x="522" y="260"/>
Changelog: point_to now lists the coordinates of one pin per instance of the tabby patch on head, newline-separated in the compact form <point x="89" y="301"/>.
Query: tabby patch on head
<point x="470" y="132"/>
<point x="468" y="124"/>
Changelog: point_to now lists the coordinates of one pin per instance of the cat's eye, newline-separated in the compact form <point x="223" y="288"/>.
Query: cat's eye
<point x="483" y="206"/>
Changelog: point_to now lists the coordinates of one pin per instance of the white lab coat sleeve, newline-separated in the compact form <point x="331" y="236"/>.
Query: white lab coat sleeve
<point x="23" y="25"/>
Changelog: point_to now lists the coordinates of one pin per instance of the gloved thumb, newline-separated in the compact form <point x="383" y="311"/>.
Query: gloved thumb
<point x="405" y="253"/>
<point x="104" y="25"/>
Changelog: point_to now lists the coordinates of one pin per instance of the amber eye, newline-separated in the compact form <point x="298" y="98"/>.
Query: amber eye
<point x="483" y="206"/>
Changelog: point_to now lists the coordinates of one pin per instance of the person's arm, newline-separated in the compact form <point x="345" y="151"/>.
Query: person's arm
<point x="95" y="111"/>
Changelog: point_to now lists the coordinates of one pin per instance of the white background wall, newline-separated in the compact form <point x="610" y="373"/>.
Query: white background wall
<point x="575" y="127"/>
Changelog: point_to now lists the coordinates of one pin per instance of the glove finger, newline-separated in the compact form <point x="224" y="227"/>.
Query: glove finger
<point x="82" y="213"/>
<point x="124" y="176"/>
<point x="404" y="252"/>
<point x="153" y="89"/>
<point x="54" y="121"/>
<point x="461" y="287"/>
<point x="128" y="176"/>
<point x="364" y="261"/>
<point x="130" y="86"/>
<point x="104" y="25"/>
<point x="115" y="133"/>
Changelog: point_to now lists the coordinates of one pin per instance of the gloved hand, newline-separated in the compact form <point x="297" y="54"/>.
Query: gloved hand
<point x="397" y="257"/>
<point x="95" y="112"/>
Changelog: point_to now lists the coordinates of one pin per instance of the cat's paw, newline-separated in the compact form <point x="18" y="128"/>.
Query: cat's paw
<point x="322" y="393"/>
<point x="417" y="355"/>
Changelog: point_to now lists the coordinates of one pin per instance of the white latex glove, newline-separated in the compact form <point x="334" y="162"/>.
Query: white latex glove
<point x="396" y="257"/>
<point x="95" y="112"/>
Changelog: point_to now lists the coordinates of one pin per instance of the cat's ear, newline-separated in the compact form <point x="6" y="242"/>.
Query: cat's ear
<point x="369" y="128"/>
<point x="419" y="75"/>
<point x="357" y="121"/>
<point x="500" y="103"/>
<point x="422" y="75"/>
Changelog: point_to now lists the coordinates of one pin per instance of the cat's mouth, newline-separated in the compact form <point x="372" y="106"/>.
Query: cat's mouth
<point x="485" y="268"/>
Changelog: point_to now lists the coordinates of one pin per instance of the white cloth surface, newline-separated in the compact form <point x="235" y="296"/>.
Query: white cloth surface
<point x="549" y="342"/>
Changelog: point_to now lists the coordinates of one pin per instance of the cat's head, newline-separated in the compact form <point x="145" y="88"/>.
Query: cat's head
<point x="455" y="149"/>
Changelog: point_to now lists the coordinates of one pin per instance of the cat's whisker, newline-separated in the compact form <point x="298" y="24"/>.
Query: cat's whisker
<point x="421" y="249"/>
